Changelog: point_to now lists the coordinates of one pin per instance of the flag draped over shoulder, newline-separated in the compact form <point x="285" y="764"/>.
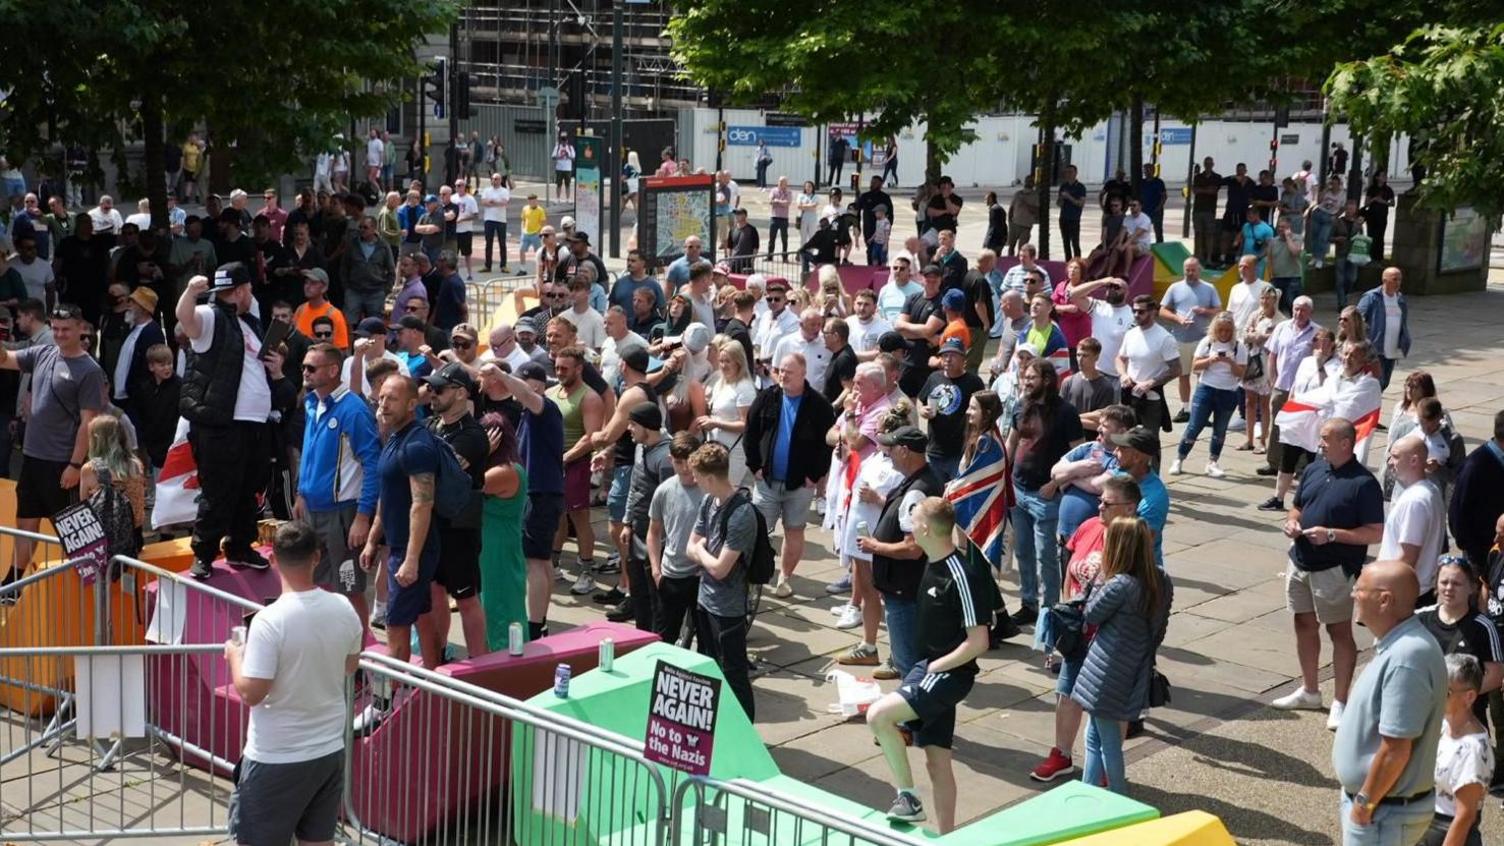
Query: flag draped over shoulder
<point x="1355" y="400"/>
<point x="177" y="487"/>
<point x="982" y="496"/>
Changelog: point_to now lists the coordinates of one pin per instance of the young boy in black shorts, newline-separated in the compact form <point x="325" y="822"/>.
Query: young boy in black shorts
<point x="955" y="608"/>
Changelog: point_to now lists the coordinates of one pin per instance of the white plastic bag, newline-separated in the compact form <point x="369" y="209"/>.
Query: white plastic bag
<point x="853" y="695"/>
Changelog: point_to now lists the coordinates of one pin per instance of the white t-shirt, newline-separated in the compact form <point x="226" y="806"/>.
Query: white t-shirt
<point x="878" y="474"/>
<point x="769" y="330"/>
<point x="590" y="326"/>
<point x="253" y="399"/>
<point x="864" y="335"/>
<point x="375" y="153"/>
<point x="106" y="222"/>
<point x="1416" y="516"/>
<point x="344" y="369"/>
<point x="1219" y="374"/>
<point x="142" y="220"/>
<point x="1142" y="229"/>
<point x="816" y="356"/>
<point x="726" y="402"/>
<point x="1392" y="319"/>
<point x="1109" y="323"/>
<point x="321" y="164"/>
<point x="469" y="211"/>
<point x="1461" y="761"/>
<point x="611" y="361"/>
<point x="1148" y="352"/>
<point x="1243" y="300"/>
<point x="301" y="643"/>
<point x="496" y="214"/>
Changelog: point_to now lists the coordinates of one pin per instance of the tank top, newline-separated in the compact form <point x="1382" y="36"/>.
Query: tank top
<point x="571" y="406"/>
<point x="626" y="451"/>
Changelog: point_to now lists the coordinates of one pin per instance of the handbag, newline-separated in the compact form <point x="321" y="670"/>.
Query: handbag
<point x="1254" y="369"/>
<point x="1159" y="690"/>
<point x="1067" y="621"/>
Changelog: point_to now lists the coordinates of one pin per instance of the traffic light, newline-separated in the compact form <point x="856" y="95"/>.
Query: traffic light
<point x="434" y="86"/>
<point x="462" y="95"/>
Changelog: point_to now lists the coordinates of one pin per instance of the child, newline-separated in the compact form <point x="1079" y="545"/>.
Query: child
<point x="671" y="518"/>
<point x="716" y="546"/>
<point x="156" y="413"/>
<point x="877" y="245"/>
<point x="533" y="218"/>
<point x="953" y="303"/>
<point x="955" y="607"/>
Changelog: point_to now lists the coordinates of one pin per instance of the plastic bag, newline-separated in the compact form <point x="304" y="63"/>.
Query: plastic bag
<point x="853" y="694"/>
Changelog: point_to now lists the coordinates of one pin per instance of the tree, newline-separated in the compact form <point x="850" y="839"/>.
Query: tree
<point x="273" y="84"/>
<point x="1441" y="86"/>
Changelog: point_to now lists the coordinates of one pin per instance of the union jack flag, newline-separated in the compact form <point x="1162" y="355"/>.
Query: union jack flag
<point x="983" y="497"/>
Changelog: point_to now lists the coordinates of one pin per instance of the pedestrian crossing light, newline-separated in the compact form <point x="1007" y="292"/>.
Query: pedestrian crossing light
<point x="462" y="95"/>
<point x="433" y="84"/>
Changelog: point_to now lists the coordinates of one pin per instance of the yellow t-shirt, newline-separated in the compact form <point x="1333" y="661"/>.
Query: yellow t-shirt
<point x="533" y="218"/>
<point x="191" y="153"/>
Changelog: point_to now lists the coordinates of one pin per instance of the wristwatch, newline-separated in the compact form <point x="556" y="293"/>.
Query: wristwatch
<point x="1331" y="535"/>
<point x="1367" y="804"/>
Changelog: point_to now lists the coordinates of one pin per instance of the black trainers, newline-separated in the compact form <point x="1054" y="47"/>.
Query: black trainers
<point x="1266" y="470"/>
<point x="1003" y="628"/>
<point x="1025" y="616"/>
<point x="1183" y="417"/>
<point x="622" y="613"/>
<point x="248" y="559"/>
<point x="201" y="569"/>
<point x="906" y="808"/>
<point x="614" y="596"/>
<point x="1273" y="503"/>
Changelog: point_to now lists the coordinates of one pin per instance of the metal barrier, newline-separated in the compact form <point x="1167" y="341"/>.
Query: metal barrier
<point x="485" y="297"/>
<point x="709" y="812"/>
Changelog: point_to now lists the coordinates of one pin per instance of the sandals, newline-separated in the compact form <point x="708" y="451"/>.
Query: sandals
<point x="1243" y="447"/>
<point x="1259" y="450"/>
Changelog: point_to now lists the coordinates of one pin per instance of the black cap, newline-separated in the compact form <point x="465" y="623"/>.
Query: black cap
<point x="229" y="275"/>
<point x="411" y="321"/>
<point x="1139" y="438"/>
<point x="932" y="270"/>
<point x="891" y="342"/>
<point x="453" y="374"/>
<point x="370" y="327"/>
<point x="532" y="371"/>
<point x="905" y="436"/>
<point x="647" y="415"/>
<point x="634" y="356"/>
<point x="579" y="237"/>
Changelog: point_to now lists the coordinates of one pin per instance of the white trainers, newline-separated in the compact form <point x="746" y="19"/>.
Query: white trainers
<point x="1301" y="699"/>
<point x="1213" y="470"/>
<point x="1334" y="716"/>
<point x="851" y="617"/>
<point x="1238" y="424"/>
<point x="1258" y="430"/>
<point x="560" y="575"/>
<point x="1175" y="469"/>
<point x="784" y="589"/>
<point x="583" y="585"/>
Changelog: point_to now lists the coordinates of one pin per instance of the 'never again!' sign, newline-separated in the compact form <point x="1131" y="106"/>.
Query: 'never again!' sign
<point x="681" y="719"/>
<point x="83" y="540"/>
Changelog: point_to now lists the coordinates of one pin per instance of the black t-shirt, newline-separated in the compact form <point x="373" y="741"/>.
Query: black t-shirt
<point x="241" y="249"/>
<point x="949" y="397"/>
<point x="954" y="597"/>
<point x="1238" y="193"/>
<point x="1114" y="188"/>
<point x="85" y="265"/>
<point x="128" y="267"/>
<point x="469" y="442"/>
<point x="1044" y="436"/>
<point x="916" y="361"/>
<point x="866" y="203"/>
<point x="510" y="408"/>
<point x="978" y="290"/>
<point x="1343" y="498"/>
<point x="1473" y="635"/>
<point x="947" y="220"/>
<point x="842" y="366"/>
<point x="1267" y="194"/>
<point x="738" y="331"/>
<point x="1379" y="198"/>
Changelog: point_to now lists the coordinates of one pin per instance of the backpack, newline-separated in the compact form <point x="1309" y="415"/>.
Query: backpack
<point x="759" y="561"/>
<point x="113" y="509"/>
<point x="454" y="496"/>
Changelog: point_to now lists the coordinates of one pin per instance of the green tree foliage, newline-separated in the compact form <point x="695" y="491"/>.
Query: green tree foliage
<point x="273" y="83"/>
<point x="1442" y="86"/>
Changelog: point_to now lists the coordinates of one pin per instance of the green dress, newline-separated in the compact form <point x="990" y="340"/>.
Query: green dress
<point x="503" y="569"/>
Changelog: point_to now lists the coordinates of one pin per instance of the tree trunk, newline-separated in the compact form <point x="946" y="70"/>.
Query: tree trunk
<point x="1044" y="178"/>
<point x="1136" y="144"/>
<point x="932" y="162"/>
<point x="1355" y="170"/>
<point x="154" y="176"/>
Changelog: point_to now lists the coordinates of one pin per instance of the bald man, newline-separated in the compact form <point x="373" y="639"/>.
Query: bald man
<point x="1385" y="751"/>
<point x="1337" y="513"/>
<point x="1415" y="528"/>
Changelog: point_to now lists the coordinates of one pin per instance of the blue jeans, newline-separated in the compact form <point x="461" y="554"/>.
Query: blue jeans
<point x="1213" y="404"/>
<point x="903" y="632"/>
<point x="496" y="229"/>
<point x="1104" y="754"/>
<point x="1346" y="280"/>
<point x="1392" y="825"/>
<point x="1289" y="288"/>
<point x="1321" y="234"/>
<point x="1034" y="520"/>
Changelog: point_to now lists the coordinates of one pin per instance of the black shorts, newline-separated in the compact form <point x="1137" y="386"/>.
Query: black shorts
<point x="459" y="562"/>
<point x="934" y="697"/>
<point x="40" y="492"/>
<point x="463" y="241"/>
<point x="272" y="803"/>
<point x="540" y="519"/>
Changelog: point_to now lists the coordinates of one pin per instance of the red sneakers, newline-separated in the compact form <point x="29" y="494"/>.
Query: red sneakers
<point x="1057" y="765"/>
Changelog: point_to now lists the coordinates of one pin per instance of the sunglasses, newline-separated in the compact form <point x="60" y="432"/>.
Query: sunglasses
<point x="556" y="295"/>
<point x="775" y="298"/>
<point x="461" y="343"/>
<point x="323" y="336"/>
<point x="310" y="368"/>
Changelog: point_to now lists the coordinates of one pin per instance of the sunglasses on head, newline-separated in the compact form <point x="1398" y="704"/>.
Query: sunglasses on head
<point x="64" y="313"/>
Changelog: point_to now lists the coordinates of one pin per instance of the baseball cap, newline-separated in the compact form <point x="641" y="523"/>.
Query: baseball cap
<point x="905" y="436"/>
<point x="723" y="268"/>
<point x="466" y="330"/>
<point x="933" y="270"/>
<point x="1139" y="438"/>
<point x="579" y="238"/>
<point x="454" y="374"/>
<point x="953" y="345"/>
<point x="696" y="337"/>
<point x="229" y="275"/>
<point x="891" y="342"/>
<point x="431" y="198"/>
<point x="647" y="415"/>
<point x="317" y="273"/>
<point x="777" y="283"/>
<point x="524" y="324"/>
<point x="532" y="371"/>
<point x="566" y="222"/>
<point x="411" y="321"/>
<point x="370" y="327"/>
<point x="635" y="356"/>
<point x="954" y="300"/>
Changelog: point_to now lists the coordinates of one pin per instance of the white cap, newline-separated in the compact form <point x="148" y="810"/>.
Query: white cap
<point x="757" y="280"/>
<point x="567" y="222"/>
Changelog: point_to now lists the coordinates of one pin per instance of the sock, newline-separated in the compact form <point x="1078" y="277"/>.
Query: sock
<point x="558" y="553"/>
<point x="536" y="631"/>
<point x="587" y="564"/>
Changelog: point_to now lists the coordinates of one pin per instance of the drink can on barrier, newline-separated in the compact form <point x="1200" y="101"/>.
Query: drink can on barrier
<point x="561" y="681"/>
<point x="608" y="654"/>
<point x="514" y="639"/>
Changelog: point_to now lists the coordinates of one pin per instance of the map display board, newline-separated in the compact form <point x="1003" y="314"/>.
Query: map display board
<point x="674" y="208"/>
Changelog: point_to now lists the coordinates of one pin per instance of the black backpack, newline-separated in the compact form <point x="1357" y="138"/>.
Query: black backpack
<point x="760" y="561"/>
<point x="113" y="509"/>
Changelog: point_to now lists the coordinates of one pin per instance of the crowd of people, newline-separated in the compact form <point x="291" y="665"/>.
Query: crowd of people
<point x="329" y="372"/>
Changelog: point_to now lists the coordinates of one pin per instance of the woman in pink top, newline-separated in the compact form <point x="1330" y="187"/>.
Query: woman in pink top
<point x="1070" y="312"/>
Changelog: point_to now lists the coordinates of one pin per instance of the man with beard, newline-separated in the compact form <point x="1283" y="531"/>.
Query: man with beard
<point x="583" y="410"/>
<point x="450" y="391"/>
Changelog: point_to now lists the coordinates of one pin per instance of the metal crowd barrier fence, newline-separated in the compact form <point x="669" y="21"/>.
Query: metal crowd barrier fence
<point x="485" y="297"/>
<point x="710" y="812"/>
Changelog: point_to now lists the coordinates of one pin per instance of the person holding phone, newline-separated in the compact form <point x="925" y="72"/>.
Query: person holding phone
<point x="1220" y="360"/>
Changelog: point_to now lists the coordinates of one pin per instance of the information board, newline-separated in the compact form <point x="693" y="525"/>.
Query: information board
<point x="674" y="208"/>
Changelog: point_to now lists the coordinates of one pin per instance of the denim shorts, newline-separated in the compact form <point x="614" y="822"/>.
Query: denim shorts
<point x="616" y="498"/>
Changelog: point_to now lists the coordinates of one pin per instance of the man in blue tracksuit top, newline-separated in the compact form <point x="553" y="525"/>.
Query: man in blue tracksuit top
<point x="338" y="483"/>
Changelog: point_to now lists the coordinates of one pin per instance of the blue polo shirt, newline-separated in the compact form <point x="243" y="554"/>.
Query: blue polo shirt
<point x="410" y="451"/>
<point x="787" y="414"/>
<point x="1154" y="508"/>
<point x="1345" y="497"/>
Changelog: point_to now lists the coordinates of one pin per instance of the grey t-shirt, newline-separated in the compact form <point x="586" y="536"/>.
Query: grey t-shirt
<point x="61" y="389"/>
<point x="677" y="508"/>
<point x="1090" y="395"/>
<point x="652" y="467"/>
<point x="1181" y="298"/>
<point x="726" y="597"/>
<point x="1400" y="694"/>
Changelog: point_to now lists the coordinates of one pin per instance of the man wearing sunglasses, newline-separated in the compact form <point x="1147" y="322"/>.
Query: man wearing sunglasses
<point x="67" y="392"/>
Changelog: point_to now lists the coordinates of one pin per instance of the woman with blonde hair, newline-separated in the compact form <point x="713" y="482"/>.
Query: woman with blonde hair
<point x="731" y="394"/>
<point x="1257" y="389"/>
<point x="1221" y="360"/>
<point x="111" y="466"/>
<point x="1130" y="612"/>
<point x="834" y="301"/>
